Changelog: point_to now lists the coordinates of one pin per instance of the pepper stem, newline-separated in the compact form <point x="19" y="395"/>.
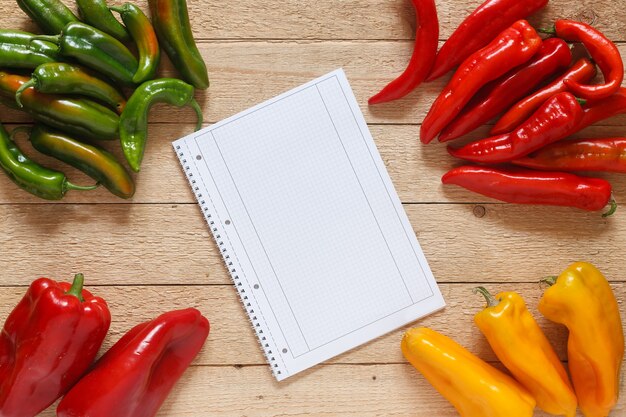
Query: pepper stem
<point x="120" y="10"/>
<point x="549" y="280"/>
<point x="491" y="300"/>
<point x="77" y="287"/>
<point x="612" y="208"/>
<point x="547" y="31"/>
<point x="55" y="39"/>
<point x="581" y="101"/>
<point x="194" y="105"/>
<point x="70" y="186"/>
<point x="18" y="93"/>
<point x="19" y="129"/>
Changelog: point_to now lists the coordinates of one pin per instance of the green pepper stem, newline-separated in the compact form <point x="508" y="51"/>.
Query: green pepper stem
<point x="491" y="300"/>
<point x="77" y="287"/>
<point x="194" y="104"/>
<point x="612" y="208"/>
<point x="118" y="9"/>
<point x="55" y="39"/>
<point x="549" y="280"/>
<point x="18" y="93"/>
<point x="70" y="186"/>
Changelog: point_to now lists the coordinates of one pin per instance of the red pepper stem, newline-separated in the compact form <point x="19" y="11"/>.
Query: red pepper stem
<point x="194" y="105"/>
<point x="549" y="280"/>
<point x="77" y="287"/>
<point x="612" y="208"/>
<point x="491" y="300"/>
<point x="18" y="93"/>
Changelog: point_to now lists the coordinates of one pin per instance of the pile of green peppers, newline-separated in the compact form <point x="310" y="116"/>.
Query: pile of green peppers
<point x="87" y="85"/>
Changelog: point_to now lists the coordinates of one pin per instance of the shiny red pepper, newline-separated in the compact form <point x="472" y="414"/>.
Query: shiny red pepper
<point x="582" y="71"/>
<point x="48" y="342"/>
<point x="136" y="375"/>
<point x="423" y="58"/>
<point x="558" y="118"/>
<point x="596" y="110"/>
<point x="603" y="154"/>
<point x="534" y="187"/>
<point x="499" y="94"/>
<point x="511" y="48"/>
<point x="479" y="29"/>
<point x="604" y="53"/>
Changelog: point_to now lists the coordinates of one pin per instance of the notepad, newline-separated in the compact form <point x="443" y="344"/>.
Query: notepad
<point x="309" y="224"/>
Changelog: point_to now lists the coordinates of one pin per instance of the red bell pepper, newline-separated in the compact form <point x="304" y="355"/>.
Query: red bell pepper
<point x="480" y="28"/>
<point x="604" y="53"/>
<point x="558" y="118"/>
<point x="136" y="375"/>
<point x="596" y="110"/>
<point x="499" y="94"/>
<point x="534" y="187"/>
<point x="582" y="71"/>
<point x="511" y="48"/>
<point x="48" y="342"/>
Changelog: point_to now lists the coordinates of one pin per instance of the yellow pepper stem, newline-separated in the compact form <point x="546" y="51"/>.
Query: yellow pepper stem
<point x="490" y="299"/>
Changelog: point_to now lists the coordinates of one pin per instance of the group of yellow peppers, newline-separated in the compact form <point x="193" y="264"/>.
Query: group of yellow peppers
<point x="582" y="300"/>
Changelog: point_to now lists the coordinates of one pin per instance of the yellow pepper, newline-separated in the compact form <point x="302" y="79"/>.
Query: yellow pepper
<point x="523" y="348"/>
<point x="475" y="388"/>
<point x="582" y="300"/>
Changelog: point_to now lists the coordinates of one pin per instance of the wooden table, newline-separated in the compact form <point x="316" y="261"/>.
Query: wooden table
<point x="154" y="253"/>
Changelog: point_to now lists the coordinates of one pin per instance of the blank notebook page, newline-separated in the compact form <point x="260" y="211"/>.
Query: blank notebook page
<point x="309" y="224"/>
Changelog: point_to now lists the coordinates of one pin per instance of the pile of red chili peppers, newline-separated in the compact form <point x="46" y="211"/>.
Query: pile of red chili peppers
<point x="51" y="338"/>
<point x="537" y="92"/>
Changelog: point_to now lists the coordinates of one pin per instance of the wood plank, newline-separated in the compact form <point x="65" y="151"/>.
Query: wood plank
<point x="232" y="341"/>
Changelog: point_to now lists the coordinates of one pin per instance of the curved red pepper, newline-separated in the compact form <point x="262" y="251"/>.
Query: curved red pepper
<point x="602" y="50"/>
<point x="582" y="71"/>
<point x="423" y="58"/>
<point x="558" y="118"/>
<point x="479" y="29"/>
<point x="136" y="375"/>
<point x="594" y="111"/>
<point x="533" y="187"/>
<point x="603" y="154"/>
<point x="499" y="94"/>
<point x="511" y="48"/>
<point x="48" y="342"/>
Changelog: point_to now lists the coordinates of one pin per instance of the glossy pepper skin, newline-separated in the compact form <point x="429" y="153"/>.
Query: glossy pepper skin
<point x="513" y="47"/>
<point x="135" y="376"/>
<point x="134" y="119"/>
<point x="582" y="300"/>
<point x="522" y="186"/>
<point x="596" y="110"/>
<point x="604" y="53"/>
<point x="479" y="29"/>
<point x="475" y="388"/>
<point x="582" y="71"/>
<point x="96" y="50"/>
<point x="97" y="14"/>
<point x="556" y="119"/>
<point x="84" y="118"/>
<point x="30" y="176"/>
<point x="423" y="57"/>
<point x="50" y="15"/>
<point x="48" y="342"/>
<point x="171" y="23"/>
<point x="145" y="37"/>
<point x="20" y="51"/>
<point x="64" y="78"/>
<point x="92" y="160"/>
<point x="499" y="94"/>
<point x="520" y="344"/>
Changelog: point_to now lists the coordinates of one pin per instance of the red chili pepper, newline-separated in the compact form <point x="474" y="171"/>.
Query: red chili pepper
<point x="582" y="71"/>
<point x="136" y="375"/>
<point x="499" y="94"/>
<point x="602" y="50"/>
<point x="423" y="58"/>
<point x="511" y="48"/>
<point x="479" y="29"/>
<point x="594" y="111"/>
<point x="533" y="187"/>
<point x="48" y="342"/>
<point x="558" y="118"/>
<point x="604" y="154"/>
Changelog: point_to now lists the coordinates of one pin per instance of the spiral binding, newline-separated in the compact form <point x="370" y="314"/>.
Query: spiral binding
<point x="232" y="269"/>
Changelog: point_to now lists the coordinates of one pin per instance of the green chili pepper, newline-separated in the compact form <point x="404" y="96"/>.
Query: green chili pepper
<point x="97" y="50"/>
<point x="81" y="117"/>
<point x="19" y="50"/>
<point x="50" y="15"/>
<point x="62" y="78"/>
<point x="144" y="36"/>
<point x="97" y="14"/>
<point x="134" y="118"/>
<point x="30" y="176"/>
<point x="171" y="22"/>
<point x="92" y="160"/>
